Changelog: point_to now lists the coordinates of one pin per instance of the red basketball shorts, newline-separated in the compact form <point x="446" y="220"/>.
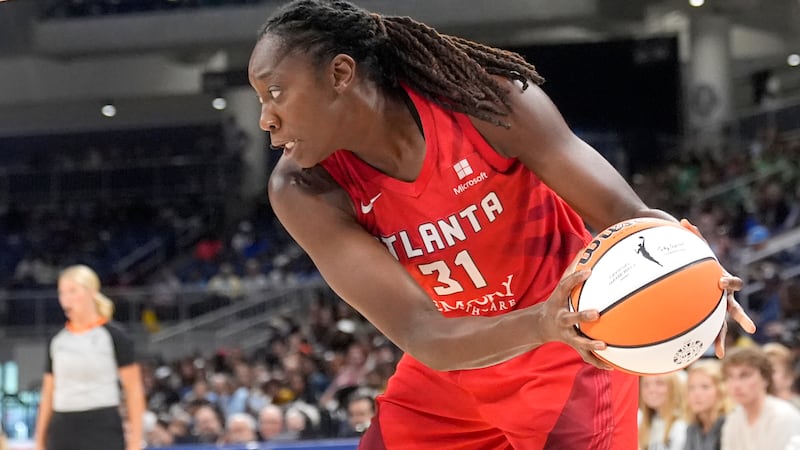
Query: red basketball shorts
<point x="548" y="398"/>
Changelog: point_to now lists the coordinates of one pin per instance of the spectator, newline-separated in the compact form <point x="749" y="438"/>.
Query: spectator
<point x="165" y="289"/>
<point x="707" y="404"/>
<point x="254" y="281"/>
<point x="297" y="425"/>
<point x="759" y="421"/>
<point x="208" y="248"/>
<point x="240" y="428"/>
<point x="270" y="422"/>
<point x="360" y="411"/>
<point x="243" y="238"/>
<point x="784" y="380"/>
<point x="661" y="402"/>
<point x="159" y="435"/>
<point x="225" y="284"/>
<point x="207" y="425"/>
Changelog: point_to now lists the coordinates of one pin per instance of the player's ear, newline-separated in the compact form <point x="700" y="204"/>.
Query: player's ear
<point x="342" y="71"/>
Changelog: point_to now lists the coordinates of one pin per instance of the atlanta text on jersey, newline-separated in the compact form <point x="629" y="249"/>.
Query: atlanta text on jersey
<point x="445" y="232"/>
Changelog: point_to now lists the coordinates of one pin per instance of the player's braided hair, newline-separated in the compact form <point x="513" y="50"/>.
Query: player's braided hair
<point x="451" y="71"/>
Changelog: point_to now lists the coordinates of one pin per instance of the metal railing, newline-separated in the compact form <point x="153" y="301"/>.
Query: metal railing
<point x="246" y="323"/>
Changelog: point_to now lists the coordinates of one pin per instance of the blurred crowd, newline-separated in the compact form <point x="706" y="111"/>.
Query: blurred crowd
<point x="317" y="378"/>
<point x="748" y="400"/>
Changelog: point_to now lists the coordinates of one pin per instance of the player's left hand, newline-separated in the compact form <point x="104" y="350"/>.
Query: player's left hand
<point x="730" y="284"/>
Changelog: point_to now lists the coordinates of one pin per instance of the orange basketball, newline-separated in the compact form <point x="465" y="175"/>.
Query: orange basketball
<point x="656" y="285"/>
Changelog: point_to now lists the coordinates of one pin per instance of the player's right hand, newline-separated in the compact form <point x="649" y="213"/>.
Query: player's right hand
<point x="560" y="324"/>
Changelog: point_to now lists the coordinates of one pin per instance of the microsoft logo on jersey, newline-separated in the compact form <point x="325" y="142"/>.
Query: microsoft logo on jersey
<point x="463" y="170"/>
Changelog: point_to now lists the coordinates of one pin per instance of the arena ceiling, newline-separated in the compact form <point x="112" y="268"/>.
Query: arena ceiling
<point x="165" y="53"/>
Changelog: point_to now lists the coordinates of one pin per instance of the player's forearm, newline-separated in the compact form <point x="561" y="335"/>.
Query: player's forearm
<point x="474" y="342"/>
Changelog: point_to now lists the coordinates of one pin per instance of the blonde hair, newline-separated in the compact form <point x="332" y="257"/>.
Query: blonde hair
<point x="780" y="354"/>
<point x="88" y="278"/>
<point x="712" y="369"/>
<point x="670" y="411"/>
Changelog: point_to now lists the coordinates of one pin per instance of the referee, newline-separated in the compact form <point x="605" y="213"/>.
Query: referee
<point x="87" y="362"/>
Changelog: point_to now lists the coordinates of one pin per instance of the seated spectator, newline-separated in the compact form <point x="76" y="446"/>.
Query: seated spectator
<point x="270" y="423"/>
<point x="360" y="411"/>
<point x="159" y="435"/>
<point x="661" y="406"/>
<point x="240" y="428"/>
<point x="166" y="288"/>
<point x="225" y="284"/>
<point x="207" y="427"/>
<point x="784" y="379"/>
<point x="208" y="248"/>
<point x="760" y="420"/>
<point x="179" y="425"/>
<point x="707" y="405"/>
<point x="243" y="238"/>
<point x="786" y="329"/>
<point x="254" y="281"/>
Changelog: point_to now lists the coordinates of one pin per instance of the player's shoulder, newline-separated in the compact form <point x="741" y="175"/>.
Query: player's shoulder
<point x="287" y="179"/>
<point x="298" y="192"/>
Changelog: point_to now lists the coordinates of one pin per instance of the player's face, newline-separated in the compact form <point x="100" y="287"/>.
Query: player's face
<point x="74" y="298"/>
<point x="745" y="384"/>
<point x="298" y="107"/>
<point x="702" y="392"/>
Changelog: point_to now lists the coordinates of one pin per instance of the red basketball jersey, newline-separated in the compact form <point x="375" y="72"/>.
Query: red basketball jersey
<point x="480" y="232"/>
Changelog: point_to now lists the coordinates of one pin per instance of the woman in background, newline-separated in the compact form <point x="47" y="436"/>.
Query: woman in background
<point x="660" y="406"/>
<point x="784" y="379"/>
<point x="707" y="404"/>
<point x="87" y="361"/>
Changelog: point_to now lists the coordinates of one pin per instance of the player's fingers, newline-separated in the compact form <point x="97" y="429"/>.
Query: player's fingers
<point x="737" y="313"/>
<point x="567" y="319"/>
<point x="688" y="225"/>
<point x="731" y="283"/>
<point x="592" y="359"/>
<point x="569" y="282"/>
<point x="719" y="343"/>
<point x="574" y="263"/>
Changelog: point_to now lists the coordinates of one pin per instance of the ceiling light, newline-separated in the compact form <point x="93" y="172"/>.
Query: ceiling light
<point x="793" y="60"/>
<point x="697" y="3"/>
<point x="219" y="103"/>
<point x="108" y="110"/>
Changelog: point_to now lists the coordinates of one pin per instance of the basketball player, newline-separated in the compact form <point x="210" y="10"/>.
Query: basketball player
<point x="441" y="194"/>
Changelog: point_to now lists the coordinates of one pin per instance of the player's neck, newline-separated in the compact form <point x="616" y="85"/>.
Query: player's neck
<point x="392" y="140"/>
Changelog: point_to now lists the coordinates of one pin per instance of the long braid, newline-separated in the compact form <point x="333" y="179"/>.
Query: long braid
<point x="451" y="71"/>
